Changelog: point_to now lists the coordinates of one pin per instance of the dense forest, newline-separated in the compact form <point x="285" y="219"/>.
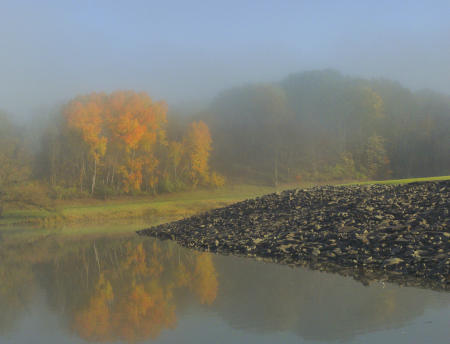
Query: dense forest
<point x="323" y="126"/>
<point x="313" y="126"/>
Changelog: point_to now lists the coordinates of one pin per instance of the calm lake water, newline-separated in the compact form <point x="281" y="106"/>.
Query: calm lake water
<point x="123" y="288"/>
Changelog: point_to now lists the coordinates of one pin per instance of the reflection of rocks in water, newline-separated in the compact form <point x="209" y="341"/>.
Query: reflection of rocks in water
<point x="400" y="233"/>
<point x="133" y="289"/>
<point x="267" y="297"/>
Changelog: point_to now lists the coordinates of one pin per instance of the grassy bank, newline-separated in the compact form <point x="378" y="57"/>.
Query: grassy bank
<point x="404" y="181"/>
<point x="148" y="210"/>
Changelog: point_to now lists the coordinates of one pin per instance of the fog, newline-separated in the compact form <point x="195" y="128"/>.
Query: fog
<point x="186" y="52"/>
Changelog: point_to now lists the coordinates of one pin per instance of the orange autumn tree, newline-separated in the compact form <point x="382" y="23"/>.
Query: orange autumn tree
<point x="137" y="128"/>
<point x="85" y="116"/>
<point x="120" y="133"/>
<point x="118" y="144"/>
<point x="198" y="146"/>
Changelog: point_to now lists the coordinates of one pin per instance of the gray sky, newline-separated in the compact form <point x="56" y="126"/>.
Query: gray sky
<point x="188" y="51"/>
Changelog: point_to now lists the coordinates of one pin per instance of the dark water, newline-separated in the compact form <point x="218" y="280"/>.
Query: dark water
<point x="126" y="289"/>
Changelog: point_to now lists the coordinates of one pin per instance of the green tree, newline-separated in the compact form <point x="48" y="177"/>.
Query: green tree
<point x="14" y="162"/>
<point x="377" y="159"/>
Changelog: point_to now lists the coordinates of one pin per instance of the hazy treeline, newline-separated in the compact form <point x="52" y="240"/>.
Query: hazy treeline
<point x="311" y="126"/>
<point x="106" y="144"/>
<point x="122" y="143"/>
<point x="322" y="126"/>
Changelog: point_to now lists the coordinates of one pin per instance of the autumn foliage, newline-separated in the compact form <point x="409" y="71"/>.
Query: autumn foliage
<point x="317" y="126"/>
<point x="135" y="299"/>
<point x="117" y="143"/>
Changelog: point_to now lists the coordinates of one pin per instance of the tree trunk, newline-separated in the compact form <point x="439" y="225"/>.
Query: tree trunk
<point x="93" y="176"/>
<point x="275" y="170"/>
<point x="81" y="175"/>
<point x="107" y="177"/>
<point x="53" y="167"/>
<point x="97" y="258"/>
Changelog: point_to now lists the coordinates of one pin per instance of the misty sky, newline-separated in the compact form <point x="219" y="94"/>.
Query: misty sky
<point x="188" y="51"/>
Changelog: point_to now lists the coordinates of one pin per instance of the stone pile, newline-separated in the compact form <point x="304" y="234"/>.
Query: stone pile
<point x="398" y="233"/>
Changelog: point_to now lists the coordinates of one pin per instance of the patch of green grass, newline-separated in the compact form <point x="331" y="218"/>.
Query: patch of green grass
<point x="403" y="181"/>
<point x="151" y="210"/>
<point x="98" y="215"/>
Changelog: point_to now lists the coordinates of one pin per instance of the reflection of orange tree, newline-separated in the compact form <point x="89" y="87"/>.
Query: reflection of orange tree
<point x="143" y="313"/>
<point x="205" y="279"/>
<point x="134" y="300"/>
<point x="94" y="322"/>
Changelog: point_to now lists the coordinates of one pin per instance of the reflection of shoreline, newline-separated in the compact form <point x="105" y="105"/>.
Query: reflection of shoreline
<point x="364" y="276"/>
<point x="381" y="231"/>
<point x="132" y="289"/>
<point x="314" y="305"/>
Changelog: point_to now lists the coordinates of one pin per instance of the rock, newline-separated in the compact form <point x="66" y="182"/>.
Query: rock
<point x="346" y="229"/>
<point x="395" y="232"/>
<point x="393" y="261"/>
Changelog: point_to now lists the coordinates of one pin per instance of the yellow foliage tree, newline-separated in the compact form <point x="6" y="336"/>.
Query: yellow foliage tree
<point x="198" y="146"/>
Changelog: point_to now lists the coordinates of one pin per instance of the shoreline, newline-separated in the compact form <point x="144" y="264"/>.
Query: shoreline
<point x="398" y="233"/>
<point x="152" y="209"/>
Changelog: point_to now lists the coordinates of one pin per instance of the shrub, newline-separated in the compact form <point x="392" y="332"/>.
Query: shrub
<point x="62" y="193"/>
<point x="216" y="180"/>
<point x="105" y="191"/>
<point x="27" y="194"/>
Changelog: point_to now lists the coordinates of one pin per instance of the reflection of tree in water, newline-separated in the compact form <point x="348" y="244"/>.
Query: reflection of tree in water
<point x="94" y="322"/>
<point x="314" y="305"/>
<point x="16" y="278"/>
<point x="130" y="302"/>
<point x="15" y="292"/>
<point x="109" y="289"/>
<point x="126" y="289"/>
<point x="132" y="289"/>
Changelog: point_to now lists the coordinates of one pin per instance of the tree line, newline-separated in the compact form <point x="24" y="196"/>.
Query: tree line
<point x="311" y="126"/>
<point x="324" y="126"/>
<point x="119" y="143"/>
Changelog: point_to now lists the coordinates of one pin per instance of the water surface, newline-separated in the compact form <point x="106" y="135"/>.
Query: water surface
<point x="123" y="288"/>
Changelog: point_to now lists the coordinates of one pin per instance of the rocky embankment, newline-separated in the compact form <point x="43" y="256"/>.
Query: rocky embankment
<point x="399" y="233"/>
